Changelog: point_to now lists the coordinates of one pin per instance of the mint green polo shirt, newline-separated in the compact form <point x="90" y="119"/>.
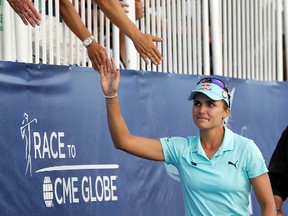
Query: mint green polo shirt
<point x="219" y="186"/>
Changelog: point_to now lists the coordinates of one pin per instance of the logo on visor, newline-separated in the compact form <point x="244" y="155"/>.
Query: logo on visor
<point x="205" y="84"/>
<point x="224" y="94"/>
<point x="205" y="87"/>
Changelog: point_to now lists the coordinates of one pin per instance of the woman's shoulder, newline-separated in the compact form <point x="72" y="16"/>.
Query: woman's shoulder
<point x="240" y="139"/>
<point x="180" y="142"/>
<point x="178" y="139"/>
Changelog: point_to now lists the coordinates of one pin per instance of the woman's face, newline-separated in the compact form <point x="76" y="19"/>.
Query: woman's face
<point x="207" y="113"/>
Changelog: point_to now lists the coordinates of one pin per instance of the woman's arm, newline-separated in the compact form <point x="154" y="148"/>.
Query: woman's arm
<point x="144" y="43"/>
<point x="97" y="54"/>
<point x="143" y="147"/>
<point x="262" y="188"/>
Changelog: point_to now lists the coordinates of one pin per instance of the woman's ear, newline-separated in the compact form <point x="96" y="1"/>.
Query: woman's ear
<point x="227" y="113"/>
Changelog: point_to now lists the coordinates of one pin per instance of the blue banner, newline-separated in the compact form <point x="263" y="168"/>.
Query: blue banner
<point x="57" y="157"/>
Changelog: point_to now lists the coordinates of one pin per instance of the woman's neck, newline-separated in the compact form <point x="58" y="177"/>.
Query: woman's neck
<point x="212" y="139"/>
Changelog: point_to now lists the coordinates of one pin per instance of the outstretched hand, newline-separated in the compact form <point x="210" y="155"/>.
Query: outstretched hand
<point x="26" y="11"/>
<point x="109" y="77"/>
<point x="145" y="46"/>
<point x="97" y="55"/>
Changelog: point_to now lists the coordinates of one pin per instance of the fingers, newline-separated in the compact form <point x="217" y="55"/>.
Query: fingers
<point x="107" y="66"/>
<point x="144" y="57"/>
<point x="105" y="69"/>
<point x="113" y="65"/>
<point x="156" y="39"/>
<point x="32" y="20"/>
<point x="101" y="70"/>
<point x="154" y="55"/>
<point x="32" y="14"/>
<point x="114" y="68"/>
<point x="97" y="55"/>
<point x="96" y="61"/>
<point x="139" y="9"/>
<point x="124" y="6"/>
<point x="147" y="49"/>
<point x="23" y="18"/>
<point x="110" y="68"/>
<point x="110" y="78"/>
<point x="100" y="60"/>
<point x="26" y="11"/>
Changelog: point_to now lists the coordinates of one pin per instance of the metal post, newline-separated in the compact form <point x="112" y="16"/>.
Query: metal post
<point x="279" y="40"/>
<point x="215" y="12"/>
<point x="8" y="33"/>
<point x="21" y="32"/>
<point x="116" y="46"/>
<point x="131" y="58"/>
<point x="206" y="52"/>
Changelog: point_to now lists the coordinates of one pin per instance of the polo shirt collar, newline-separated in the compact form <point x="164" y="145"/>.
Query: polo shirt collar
<point x="228" y="141"/>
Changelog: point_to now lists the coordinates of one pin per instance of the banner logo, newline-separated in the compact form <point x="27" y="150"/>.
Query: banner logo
<point x="83" y="186"/>
<point x="48" y="192"/>
<point x="43" y="145"/>
<point x="79" y="189"/>
<point x="26" y="135"/>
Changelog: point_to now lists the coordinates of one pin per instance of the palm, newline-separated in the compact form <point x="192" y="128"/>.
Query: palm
<point x="110" y="78"/>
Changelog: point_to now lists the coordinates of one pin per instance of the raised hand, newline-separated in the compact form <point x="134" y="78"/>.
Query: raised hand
<point x="109" y="77"/>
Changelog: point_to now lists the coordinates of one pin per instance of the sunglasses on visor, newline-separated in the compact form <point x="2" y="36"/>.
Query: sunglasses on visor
<point x="217" y="82"/>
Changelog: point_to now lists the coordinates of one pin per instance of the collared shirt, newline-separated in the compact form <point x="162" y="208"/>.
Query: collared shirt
<point x="219" y="186"/>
